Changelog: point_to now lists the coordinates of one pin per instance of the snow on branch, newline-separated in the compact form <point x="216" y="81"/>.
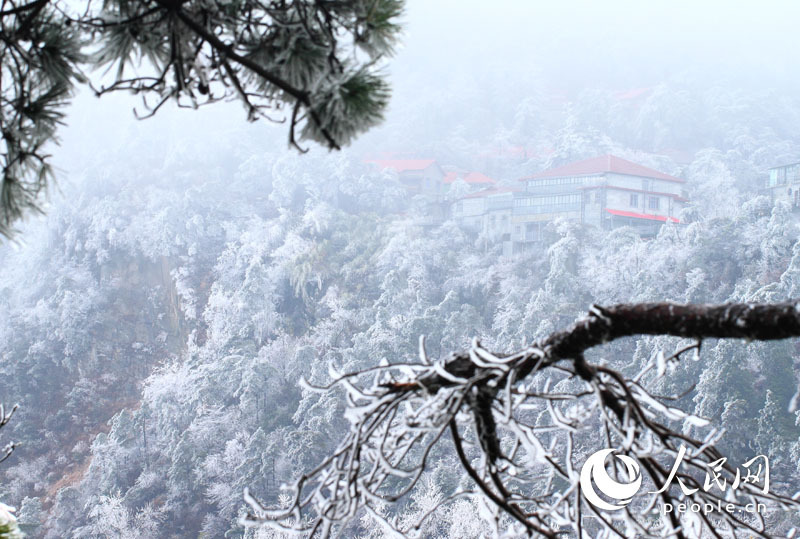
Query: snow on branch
<point x="521" y="424"/>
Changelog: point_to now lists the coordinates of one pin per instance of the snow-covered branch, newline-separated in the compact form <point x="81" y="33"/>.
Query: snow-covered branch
<point x="517" y="423"/>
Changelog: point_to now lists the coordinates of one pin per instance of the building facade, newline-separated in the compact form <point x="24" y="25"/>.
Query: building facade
<point x="488" y="212"/>
<point x="783" y="183"/>
<point x="605" y="191"/>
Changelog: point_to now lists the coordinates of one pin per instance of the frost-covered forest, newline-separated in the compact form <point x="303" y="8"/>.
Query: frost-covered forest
<point x="156" y="322"/>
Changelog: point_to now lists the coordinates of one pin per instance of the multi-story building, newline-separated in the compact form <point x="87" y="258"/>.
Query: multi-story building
<point x="489" y="212"/>
<point x="783" y="183"/>
<point x="604" y="191"/>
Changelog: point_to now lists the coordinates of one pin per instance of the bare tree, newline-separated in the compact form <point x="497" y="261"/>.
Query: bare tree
<point x="517" y="424"/>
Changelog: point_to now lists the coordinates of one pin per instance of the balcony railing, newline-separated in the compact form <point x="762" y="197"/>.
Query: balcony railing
<point x="547" y="208"/>
<point x="553" y="189"/>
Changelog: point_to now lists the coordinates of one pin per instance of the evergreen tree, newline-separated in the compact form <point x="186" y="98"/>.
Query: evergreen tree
<point x="318" y="60"/>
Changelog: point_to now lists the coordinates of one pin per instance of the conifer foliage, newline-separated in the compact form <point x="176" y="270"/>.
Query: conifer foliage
<point x="39" y="56"/>
<point x="313" y="63"/>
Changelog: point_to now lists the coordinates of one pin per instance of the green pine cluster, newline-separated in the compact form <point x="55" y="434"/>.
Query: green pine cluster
<point x="317" y="63"/>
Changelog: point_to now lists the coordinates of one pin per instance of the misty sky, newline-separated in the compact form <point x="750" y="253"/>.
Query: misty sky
<point x="507" y="47"/>
<point x="579" y="41"/>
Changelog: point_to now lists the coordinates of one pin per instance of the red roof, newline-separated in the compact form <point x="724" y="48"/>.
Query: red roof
<point x="602" y="164"/>
<point x="403" y="165"/>
<point x="633" y="93"/>
<point x="477" y="177"/>
<point x="661" y="218"/>
<point x="471" y="178"/>
<point x="492" y="191"/>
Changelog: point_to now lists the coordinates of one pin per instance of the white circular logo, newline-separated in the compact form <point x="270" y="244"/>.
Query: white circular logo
<point x="594" y="469"/>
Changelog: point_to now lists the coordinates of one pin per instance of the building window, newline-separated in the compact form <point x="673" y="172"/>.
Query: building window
<point x="792" y="173"/>
<point x="773" y="178"/>
<point x="518" y="230"/>
<point x="653" y="204"/>
<point x="634" y="200"/>
<point x="532" y="232"/>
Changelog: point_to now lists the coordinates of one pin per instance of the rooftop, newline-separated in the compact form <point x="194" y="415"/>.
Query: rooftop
<point x="633" y="93"/>
<point x="600" y="165"/>
<point x="646" y="216"/>
<point x="471" y="178"/>
<point x="786" y="165"/>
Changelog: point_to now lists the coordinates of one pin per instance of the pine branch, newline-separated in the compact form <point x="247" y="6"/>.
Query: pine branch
<point x="36" y="5"/>
<point x="479" y="389"/>
<point x="269" y="55"/>
<point x="299" y="95"/>
<point x="749" y="321"/>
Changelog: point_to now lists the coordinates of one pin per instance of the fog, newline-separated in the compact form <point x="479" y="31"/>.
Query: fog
<point x="494" y="55"/>
<point x="190" y="269"/>
<point x="616" y="44"/>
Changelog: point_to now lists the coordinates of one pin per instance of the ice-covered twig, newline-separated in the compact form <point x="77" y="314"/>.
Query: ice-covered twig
<point x="529" y="441"/>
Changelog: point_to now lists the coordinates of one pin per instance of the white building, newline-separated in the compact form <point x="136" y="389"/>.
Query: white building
<point x="783" y="184"/>
<point x="488" y="212"/>
<point x="604" y="191"/>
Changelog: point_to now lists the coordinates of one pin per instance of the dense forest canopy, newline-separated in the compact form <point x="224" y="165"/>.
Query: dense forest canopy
<point x="157" y="320"/>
